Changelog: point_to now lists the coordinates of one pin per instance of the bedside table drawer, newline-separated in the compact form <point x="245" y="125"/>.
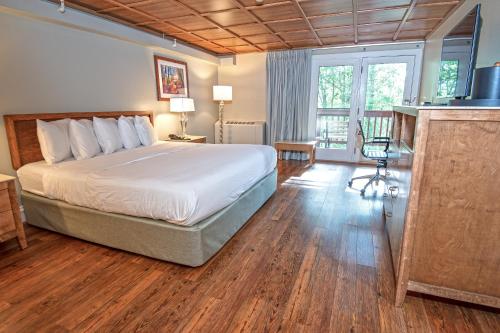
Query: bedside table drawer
<point x="7" y="222"/>
<point x="4" y="200"/>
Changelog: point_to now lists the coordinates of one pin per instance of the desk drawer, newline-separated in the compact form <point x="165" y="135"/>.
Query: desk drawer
<point x="4" y="200"/>
<point x="7" y="222"/>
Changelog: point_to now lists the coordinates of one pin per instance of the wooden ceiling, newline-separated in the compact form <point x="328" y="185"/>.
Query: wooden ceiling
<point x="241" y="26"/>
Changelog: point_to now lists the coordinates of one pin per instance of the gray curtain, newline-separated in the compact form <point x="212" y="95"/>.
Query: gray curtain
<point x="288" y="88"/>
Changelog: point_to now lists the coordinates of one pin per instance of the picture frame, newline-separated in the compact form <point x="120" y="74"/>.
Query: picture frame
<point x="171" y="78"/>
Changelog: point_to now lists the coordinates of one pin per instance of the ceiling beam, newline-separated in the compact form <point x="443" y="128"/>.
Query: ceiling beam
<point x="304" y="16"/>
<point x="355" y="20"/>
<point x="328" y="27"/>
<point x="258" y="20"/>
<point x="144" y="29"/>
<point x="405" y="18"/>
<point x="198" y="14"/>
<point x="154" y="18"/>
<point x="269" y="4"/>
<point x="447" y="16"/>
<point x="130" y="4"/>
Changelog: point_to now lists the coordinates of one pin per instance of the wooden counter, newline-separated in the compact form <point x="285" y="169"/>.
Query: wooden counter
<point x="442" y="203"/>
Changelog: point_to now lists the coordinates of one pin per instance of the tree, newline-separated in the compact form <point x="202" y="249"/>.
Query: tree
<point x="448" y="77"/>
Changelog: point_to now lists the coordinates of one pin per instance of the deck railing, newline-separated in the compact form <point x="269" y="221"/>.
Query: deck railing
<point x="332" y="126"/>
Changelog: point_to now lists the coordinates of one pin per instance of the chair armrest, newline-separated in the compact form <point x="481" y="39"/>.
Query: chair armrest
<point x="386" y="138"/>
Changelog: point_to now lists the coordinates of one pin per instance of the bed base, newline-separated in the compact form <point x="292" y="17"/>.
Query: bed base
<point x="186" y="245"/>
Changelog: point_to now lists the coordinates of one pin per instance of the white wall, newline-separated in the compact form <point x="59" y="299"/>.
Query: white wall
<point x="248" y="78"/>
<point x="49" y="67"/>
<point x="488" y="50"/>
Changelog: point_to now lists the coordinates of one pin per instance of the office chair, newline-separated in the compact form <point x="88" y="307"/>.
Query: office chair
<point x="379" y="156"/>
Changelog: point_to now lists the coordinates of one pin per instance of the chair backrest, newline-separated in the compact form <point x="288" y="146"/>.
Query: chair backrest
<point x="360" y="126"/>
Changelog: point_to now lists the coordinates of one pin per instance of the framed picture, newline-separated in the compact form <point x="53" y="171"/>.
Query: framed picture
<point x="171" y="78"/>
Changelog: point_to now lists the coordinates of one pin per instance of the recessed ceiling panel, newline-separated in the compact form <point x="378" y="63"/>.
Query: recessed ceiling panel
<point x="239" y="26"/>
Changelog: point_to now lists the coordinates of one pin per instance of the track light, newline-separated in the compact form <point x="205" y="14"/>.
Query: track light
<point x="62" y="7"/>
<point x="175" y="43"/>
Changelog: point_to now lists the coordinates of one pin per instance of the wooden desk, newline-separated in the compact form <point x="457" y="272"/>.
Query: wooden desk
<point x="10" y="217"/>
<point x="442" y="208"/>
<point x="308" y="147"/>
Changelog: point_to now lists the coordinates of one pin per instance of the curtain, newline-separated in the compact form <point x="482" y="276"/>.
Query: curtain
<point x="288" y="90"/>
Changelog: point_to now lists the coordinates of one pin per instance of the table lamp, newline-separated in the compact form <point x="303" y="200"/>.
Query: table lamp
<point x="221" y="94"/>
<point x="182" y="104"/>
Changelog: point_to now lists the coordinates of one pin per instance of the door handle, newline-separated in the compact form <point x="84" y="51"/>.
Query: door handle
<point x="394" y="191"/>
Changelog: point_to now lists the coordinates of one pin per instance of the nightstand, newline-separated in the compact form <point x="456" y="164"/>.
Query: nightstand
<point x="192" y="139"/>
<point x="10" y="216"/>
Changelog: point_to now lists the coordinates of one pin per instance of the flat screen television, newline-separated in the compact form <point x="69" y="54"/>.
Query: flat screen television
<point x="458" y="57"/>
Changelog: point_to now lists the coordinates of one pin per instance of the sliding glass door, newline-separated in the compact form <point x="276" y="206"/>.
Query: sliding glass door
<point x="345" y="91"/>
<point x="334" y="106"/>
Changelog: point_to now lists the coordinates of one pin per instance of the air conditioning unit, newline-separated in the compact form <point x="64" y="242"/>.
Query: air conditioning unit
<point x="252" y="132"/>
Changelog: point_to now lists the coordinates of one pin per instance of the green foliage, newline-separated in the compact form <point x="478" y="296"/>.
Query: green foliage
<point x="335" y="86"/>
<point x="385" y="86"/>
<point x="448" y="76"/>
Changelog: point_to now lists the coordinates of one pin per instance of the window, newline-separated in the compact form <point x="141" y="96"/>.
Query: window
<point x="334" y="103"/>
<point x="385" y="86"/>
<point x="335" y="85"/>
<point x="448" y="77"/>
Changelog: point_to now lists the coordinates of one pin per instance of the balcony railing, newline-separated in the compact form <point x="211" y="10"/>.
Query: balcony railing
<point x="332" y="126"/>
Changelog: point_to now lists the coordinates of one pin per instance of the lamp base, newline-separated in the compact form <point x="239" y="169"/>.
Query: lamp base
<point x="184" y="121"/>
<point x="221" y="114"/>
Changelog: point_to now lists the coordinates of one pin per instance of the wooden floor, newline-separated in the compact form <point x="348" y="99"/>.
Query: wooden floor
<point x="315" y="258"/>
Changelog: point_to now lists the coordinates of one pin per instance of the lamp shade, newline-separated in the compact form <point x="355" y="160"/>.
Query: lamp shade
<point x="223" y="93"/>
<point x="181" y="104"/>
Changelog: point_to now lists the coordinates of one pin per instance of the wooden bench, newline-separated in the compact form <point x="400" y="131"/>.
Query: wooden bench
<point x="308" y="147"/>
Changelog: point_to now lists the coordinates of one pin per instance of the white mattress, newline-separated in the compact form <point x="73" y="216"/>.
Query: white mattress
<point x="181" y="183"/>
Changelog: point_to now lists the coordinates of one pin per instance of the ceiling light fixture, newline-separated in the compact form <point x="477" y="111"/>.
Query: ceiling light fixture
<point x="259" y="2"/>
<point x="62" y="7"/>
<point x="175" y="42"/>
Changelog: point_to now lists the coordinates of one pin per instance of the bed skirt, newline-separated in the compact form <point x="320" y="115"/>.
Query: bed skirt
<point x="186" y="245"/>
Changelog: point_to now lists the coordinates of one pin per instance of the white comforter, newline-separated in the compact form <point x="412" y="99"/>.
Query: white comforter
<point x="181" y="183"/>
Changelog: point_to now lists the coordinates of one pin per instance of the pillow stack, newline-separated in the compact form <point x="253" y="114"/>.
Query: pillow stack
<point x="82" y="139"/>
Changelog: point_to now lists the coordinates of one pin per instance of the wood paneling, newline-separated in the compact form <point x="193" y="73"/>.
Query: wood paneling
<point x="184" y="19"/>
<point x="314" y="258"/>
<point x="463" y="177"/>
<point x="452" y="224"/>
<point x="322" y="7"/>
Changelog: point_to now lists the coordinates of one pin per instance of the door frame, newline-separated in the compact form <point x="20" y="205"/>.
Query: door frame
<point x="410" y="95"/>
<point x="334" y="154"/>
<point x="336" y="56"/>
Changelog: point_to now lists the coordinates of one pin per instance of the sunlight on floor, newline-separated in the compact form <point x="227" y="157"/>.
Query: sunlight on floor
<point x="321" y="176"/>
<point x="315" y="177"/>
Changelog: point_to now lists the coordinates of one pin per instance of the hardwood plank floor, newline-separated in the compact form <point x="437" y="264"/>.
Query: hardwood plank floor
<point x="315" y="258"/>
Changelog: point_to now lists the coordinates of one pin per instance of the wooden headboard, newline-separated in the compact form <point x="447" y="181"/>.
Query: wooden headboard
<point x="23" y="140"/>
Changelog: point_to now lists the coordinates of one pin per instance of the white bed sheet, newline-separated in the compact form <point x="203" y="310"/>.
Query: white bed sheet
<point x="181" y="183"/>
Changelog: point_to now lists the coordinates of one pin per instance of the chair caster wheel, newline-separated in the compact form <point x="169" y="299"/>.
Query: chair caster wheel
<point x="349" y="183"/>
<point x="363" y="192"/>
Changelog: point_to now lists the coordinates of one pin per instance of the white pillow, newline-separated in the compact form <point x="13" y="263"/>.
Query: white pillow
<point x="53" y="137"/>
<point x="108" y="136"/>
<point x="145" y="130"/>
<point x="128" y="132"/>
<point x="82" y="139"/>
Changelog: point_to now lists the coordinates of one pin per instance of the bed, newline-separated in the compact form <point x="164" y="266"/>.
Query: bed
<point x="179" y="202"/>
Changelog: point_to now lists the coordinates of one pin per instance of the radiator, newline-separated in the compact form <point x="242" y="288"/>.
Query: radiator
<point x="241" y="132"/>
